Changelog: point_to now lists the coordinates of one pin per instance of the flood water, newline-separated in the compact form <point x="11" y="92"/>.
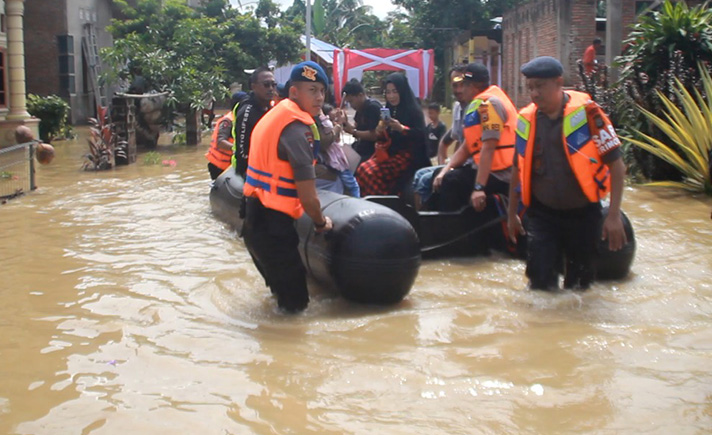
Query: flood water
<point x="127" y="308"/>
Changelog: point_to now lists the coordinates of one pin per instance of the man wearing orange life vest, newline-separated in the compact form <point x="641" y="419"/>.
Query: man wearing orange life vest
<point x="280" y="186"/>
<point x="489" y="132"/>
<point x="567" y="160"/>
<point x="219" y="154"/>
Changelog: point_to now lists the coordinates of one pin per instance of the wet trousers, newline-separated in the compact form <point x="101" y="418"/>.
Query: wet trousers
<point x="562" y="237"/>
<point x="214" y="171"/>
<point x="273" y="242"/>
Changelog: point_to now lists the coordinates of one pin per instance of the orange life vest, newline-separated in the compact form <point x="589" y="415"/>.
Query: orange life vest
<point x="587" y="135"/>
<point x="269" y="178"/>
<point x="504" y="153"/>
<point x="217" y="156"/>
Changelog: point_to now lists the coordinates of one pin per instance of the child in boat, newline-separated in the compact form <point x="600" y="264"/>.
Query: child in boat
<point x="336" y="157"/>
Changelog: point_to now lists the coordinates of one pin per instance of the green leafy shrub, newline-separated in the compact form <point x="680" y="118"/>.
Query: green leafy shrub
<point x="53" y="113"/>
<point x="152" y="158"/>
<point x="661" y="53"/>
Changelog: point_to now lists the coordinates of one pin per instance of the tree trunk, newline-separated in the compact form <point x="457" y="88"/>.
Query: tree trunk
<point x="192" y="128"/>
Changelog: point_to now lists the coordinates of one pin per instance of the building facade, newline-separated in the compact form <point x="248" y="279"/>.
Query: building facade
<point x="59" y="36"/>
<point x="480" y="46"/>
<point x="13" y="106"/>
<point x="562" y="29"/>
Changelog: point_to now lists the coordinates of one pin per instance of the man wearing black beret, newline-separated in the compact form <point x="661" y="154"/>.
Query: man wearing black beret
<point x="280" y="186"/>
<point x="567" y="160"/>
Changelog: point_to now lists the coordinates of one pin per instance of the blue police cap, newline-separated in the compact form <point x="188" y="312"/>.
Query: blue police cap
<point x="543" y="67"/>
<point x="308" y="72"/>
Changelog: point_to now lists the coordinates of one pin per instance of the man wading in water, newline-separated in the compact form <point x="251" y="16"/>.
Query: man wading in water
<point x="567" y="159"/>
<point x="280" y="186"/>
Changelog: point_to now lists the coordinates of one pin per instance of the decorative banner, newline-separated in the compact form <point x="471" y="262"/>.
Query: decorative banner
<point x="417" y="65"/>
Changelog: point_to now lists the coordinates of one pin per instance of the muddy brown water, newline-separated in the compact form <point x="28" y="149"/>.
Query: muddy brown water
<point x="127" y="308"/>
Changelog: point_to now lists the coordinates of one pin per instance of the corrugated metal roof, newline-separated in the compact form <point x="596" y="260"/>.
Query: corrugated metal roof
<point x="322" y="49"/>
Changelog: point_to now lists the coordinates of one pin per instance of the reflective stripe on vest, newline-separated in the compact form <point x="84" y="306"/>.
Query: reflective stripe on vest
<point x="269" y="178"/>
<point x="261" y="179"/>
<point x="216" y="155"/>
<point x="504" y="152"/>
<point x="579" y="144"/>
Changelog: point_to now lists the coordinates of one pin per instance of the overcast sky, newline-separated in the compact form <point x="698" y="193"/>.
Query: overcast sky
<point x="380" y="7"/>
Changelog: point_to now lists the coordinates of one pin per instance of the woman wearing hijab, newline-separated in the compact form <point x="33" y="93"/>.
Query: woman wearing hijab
<point x="400" y="149"/>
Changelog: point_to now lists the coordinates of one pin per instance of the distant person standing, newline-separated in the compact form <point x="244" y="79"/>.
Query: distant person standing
<point x="259" y="101"/>
<point x="435" y="129"/>
<point x="589" y="56"/>
<point x="368" y="115"/>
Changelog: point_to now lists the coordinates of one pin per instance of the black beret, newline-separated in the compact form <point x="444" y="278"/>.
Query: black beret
<point x="543" y="67"/>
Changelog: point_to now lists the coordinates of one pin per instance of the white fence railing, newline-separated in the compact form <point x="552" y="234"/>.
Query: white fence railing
<point x="17" y="170"/>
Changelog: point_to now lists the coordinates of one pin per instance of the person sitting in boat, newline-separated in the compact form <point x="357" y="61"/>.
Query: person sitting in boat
<point x="401" y="144"/>
<point x="327" y="178"/>
<point x="568" y="158"/>
<point x="489" y="130"/>
<point x="368" y="114"/>
<point x="334" y="157"/>
<point x="464" y="92"/>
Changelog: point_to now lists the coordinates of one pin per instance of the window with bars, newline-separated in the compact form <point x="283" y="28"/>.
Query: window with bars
<point x="65" y="45"/>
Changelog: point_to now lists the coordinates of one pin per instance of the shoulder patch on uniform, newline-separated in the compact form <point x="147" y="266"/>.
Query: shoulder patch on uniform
<point x="483" y="110"/>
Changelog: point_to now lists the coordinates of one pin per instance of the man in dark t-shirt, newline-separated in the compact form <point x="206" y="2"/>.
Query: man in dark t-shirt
<point x="368" y="114"/>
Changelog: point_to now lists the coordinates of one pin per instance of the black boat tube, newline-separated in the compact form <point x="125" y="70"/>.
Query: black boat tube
<point x="371" y="256"/>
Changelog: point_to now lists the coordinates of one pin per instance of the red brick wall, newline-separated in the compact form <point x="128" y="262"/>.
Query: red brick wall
<point x="43" y="21"/>
<point x="528" y="31"/>
<point x="582" y="34"/>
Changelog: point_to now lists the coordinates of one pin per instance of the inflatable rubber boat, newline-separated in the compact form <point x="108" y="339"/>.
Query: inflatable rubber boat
<point x="372" y="255"/>
<point x="467" y="233"/>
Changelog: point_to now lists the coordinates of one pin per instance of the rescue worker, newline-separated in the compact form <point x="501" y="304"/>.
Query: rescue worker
<point x="567" y="160"/>
<point x="264" y="90"/>
<point x="280" y="186"/>
<point x="489" y="132"/>
<point x="219" y="154"/>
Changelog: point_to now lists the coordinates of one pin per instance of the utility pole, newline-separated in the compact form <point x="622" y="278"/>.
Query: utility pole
<point x="307" y="55"/>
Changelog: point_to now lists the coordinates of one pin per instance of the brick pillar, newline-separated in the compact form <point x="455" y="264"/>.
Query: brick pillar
<point x="16" y="59"/>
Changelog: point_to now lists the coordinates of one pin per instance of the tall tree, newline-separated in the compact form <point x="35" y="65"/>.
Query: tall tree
<point x="192" y="52"/>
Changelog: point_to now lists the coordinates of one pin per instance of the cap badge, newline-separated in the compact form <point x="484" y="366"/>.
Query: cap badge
<point x="309" y="73"/>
